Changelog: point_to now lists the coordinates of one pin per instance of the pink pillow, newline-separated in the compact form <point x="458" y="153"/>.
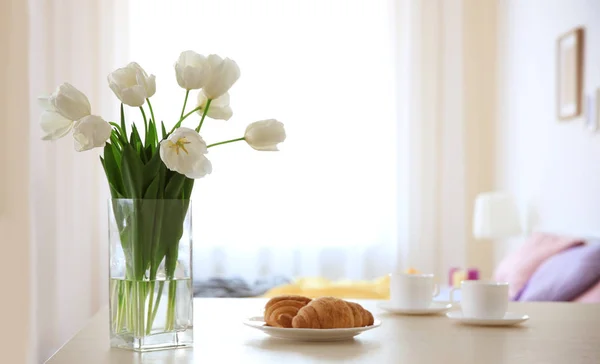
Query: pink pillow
<point x="592" y="295"/>
<point x="517" y="268"/>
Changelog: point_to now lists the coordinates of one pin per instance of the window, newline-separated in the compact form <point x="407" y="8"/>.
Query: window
<point x="325" y="204"/>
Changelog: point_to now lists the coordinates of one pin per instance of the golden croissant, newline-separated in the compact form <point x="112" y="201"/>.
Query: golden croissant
<point x="331" y="313"/>
<point x="280" y="311"/>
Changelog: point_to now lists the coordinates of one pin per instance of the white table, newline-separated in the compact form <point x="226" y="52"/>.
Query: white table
<point x="561" y="333"/>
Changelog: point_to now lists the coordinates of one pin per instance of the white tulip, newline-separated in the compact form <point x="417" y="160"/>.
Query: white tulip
<point x="132" y="85"/>
<point x="265" y="134"/>
<point x="219" y="107"/>
<point x="70" y="102"/>
<point x="223" y="74"/>
<point x="91" y="132"/>
<point x="192" y="70"/>
<point x="183" y="152"/>
<point x="65" y="106"/>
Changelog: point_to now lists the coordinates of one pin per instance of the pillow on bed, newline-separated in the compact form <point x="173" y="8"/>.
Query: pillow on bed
<point x="518" y="267"/>
<point x="592" y="295"/>
<point x="565" y="276"/>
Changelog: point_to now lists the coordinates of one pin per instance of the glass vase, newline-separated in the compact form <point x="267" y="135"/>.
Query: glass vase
<point x="150" y="273"/>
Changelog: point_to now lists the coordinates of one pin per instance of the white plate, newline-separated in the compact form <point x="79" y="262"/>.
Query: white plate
<point x="308" y="334"/>
<point x="508" y="319"/>
<point x="435" y="308"/>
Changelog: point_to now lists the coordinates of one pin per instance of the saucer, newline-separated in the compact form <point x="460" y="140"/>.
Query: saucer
<point x="435" y="308"/>
<point x="307" y="334"/>
<point x="509" y="319"/>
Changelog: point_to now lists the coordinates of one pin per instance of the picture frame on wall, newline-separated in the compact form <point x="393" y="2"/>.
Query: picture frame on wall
<point x="570" y="74"/>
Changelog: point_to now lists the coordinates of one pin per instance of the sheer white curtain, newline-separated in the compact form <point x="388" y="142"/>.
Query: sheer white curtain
<point x="446" y="107"/>
<point x="326" y="204"/>
<point x="77" y="42"/>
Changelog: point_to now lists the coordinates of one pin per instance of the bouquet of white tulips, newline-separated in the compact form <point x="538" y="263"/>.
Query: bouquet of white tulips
<point x="153" y="164"/>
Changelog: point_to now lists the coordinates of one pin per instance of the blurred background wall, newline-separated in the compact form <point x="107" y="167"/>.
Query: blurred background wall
<point x="551" y="166"/>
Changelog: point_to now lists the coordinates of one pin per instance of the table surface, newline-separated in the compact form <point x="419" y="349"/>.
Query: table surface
<point x="562" y="333"/>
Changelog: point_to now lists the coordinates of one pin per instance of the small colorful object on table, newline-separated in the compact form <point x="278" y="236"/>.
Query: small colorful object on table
<point x="451" y="275"/>
<point x="472" y="274"/>
<point x="456" y="275"/>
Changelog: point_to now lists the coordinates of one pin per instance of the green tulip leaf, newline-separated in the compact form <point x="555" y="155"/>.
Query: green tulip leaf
<point x="112" y="158"/>
<point x="132" y="168"/>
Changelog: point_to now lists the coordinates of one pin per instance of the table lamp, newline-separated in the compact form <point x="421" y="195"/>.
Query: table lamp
<point x="495" y="216"/>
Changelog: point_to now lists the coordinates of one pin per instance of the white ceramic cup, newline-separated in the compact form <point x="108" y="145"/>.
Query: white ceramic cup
<point x="412" y="291"/>
<point x="483" y="299"/>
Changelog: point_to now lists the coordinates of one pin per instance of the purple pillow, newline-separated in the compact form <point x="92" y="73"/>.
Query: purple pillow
<point x="565" y="276"/>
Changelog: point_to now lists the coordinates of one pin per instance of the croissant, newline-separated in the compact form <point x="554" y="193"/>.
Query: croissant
<point x="280" y="311"/>
<point x="331" y="313"/>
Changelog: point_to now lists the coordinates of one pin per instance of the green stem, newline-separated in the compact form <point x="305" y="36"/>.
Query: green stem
<point x="145" y="124"/>
<point x="188" y="114"/>
<point x="161" y="285"/>
<point x="204" y="115"/>
<point x="129" y="305"/>
<point x="153" y="119"/>
<point x="151" y="111"/>
<point x="225" y="142"/>
<point x="123" y="127"/>
<point x="149" y="320"/>
<point x="183" y="118"/>
<point x="140" y="298"/>
<point x="170" y="323"/>
<point x="144" y="116"/>
<point x="120" y="306"/>
<point x="187" y="93"/>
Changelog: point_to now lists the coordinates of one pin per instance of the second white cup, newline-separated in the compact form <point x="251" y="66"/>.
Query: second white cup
<point x="412" y="291"/>
<point x="483" y="299"/>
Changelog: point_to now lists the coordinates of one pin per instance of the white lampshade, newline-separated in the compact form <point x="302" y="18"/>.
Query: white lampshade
<point x="496" y="216"/>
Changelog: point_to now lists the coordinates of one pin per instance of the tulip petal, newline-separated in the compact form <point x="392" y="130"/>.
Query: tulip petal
<point x="202" y="100"/>
<point x="91" y="132"/>
<point x="44" y="103"/>
<point x="189" y="57"/>
<point x="132" y="85"/>
<point x="54" y="125"/>
<point x="219" y="107"/>
<point x="70" y="102"/>
<point x="116" y="89"/>
<point x="220" y="101"/>
<point x="150" y="86"/>
<point x="223" y="74"/>
<point x="168" y="158"/>
<point x="201" y="168"/>
<point x="214" y="60"/>
<point x="179" y="76"/>
<point x="122" y="77"/>
<point x="137" y="68"/>
<point x="192" y="70"/>
<point x="133" y="96"/>
<point x="223" y="113"/>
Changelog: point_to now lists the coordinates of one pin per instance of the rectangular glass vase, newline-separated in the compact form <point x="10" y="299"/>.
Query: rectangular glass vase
<point x="151" y="291"/>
